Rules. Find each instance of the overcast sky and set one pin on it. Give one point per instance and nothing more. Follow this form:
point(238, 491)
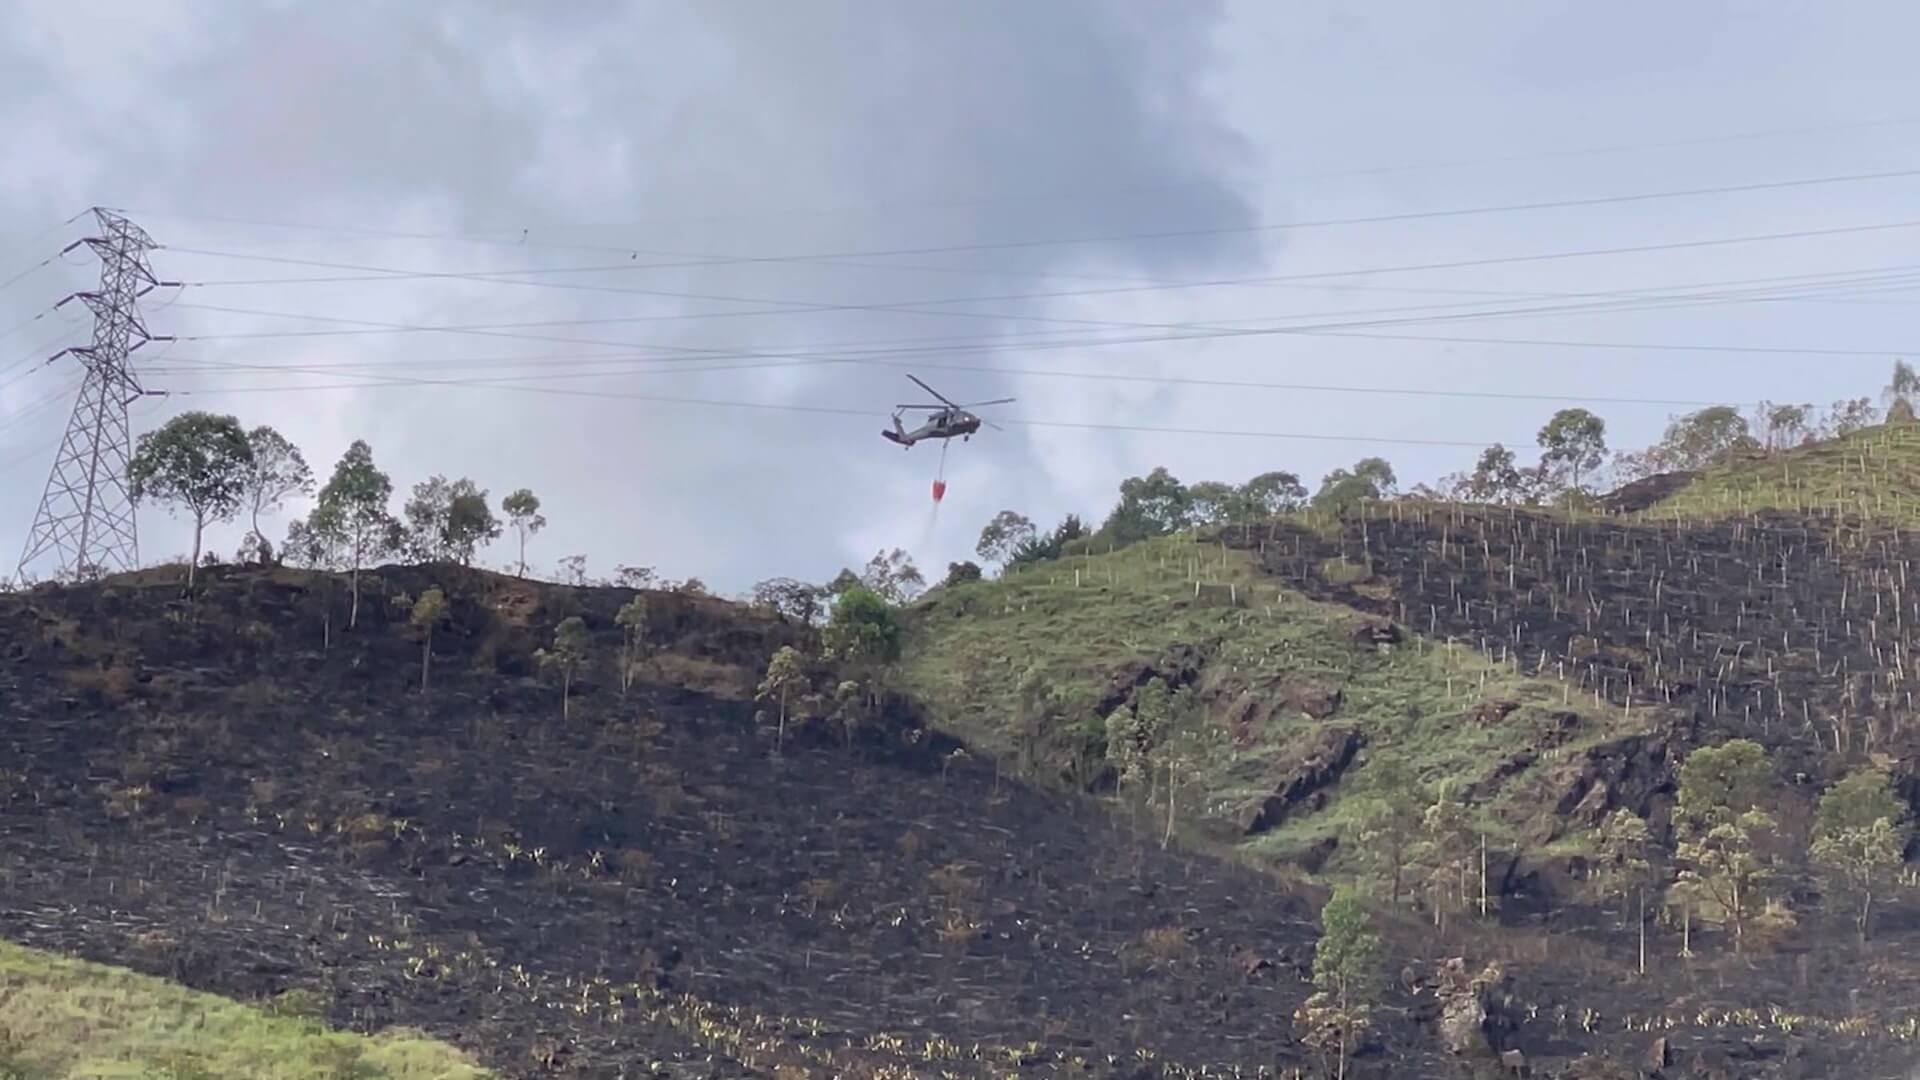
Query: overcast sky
point(688, 208)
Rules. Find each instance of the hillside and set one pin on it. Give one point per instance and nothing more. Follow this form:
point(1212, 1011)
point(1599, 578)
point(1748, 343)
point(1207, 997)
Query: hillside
point(1296, 701)
point(1874, 471)
point(1088, 830)
point(1588, 658)
point(232, 794)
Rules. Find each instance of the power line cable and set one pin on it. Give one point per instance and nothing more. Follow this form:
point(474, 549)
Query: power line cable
point(1329, 328)
point(998, 341)
point(691, 260)
point(911, 306)
point(868, 359)
point(522, 236)
point(1081, 192)
point(1459, 263)
point(1174, 380)
point(843, 411)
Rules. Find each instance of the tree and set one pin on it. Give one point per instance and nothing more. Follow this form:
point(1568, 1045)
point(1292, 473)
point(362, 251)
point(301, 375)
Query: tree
point(1848, 416)
point(1859, 835)
point(1032, 695)
point(1152, 505)
point(1389, 821)
point(1700, 439)
point(1623, 862)
point(1051, 545)
point(1003, 535)
point(446, 522)
point(846, 708)
point(1122, 727)
point(427, 613)
point(1272, 493)
point(1134, 732)
point(863, 633)
point(309, 548)
point(959, 573)
point(632, 620)
point(1718, 819)
point(1572, 444)
point(351, 514)
point(276, 472)
point(844, 580)
point(1346, 963)
point(316, 549)
point(1901, 392)
point(425, 517)
point(198, 460)
point(572, 644)
point(523, 511)
point(892, 576)
point(635, 577)
point(470, 522)
point(790, 599)
point(786, 675)
point(1369, 480)
point(1496, 478)
point(1211, 502)
point(1785, 425)
point(1447, 851)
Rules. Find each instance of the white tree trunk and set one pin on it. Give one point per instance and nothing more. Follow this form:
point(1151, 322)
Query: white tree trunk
point(193, 565)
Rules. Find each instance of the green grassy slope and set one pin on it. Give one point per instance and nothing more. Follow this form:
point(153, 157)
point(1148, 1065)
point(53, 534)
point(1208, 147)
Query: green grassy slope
point(64, 1019)
point(1874, 471)
point(1268, 654)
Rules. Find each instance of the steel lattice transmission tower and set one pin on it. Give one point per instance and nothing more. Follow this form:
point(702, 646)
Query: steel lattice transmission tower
point(86, 514)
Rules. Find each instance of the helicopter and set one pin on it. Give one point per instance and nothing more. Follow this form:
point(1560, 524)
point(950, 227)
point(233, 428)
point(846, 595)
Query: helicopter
point(948, 420)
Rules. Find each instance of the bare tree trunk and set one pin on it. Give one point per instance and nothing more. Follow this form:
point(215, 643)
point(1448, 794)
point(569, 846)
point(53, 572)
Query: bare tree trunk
point(193, 564)
point(1642, 891)
point(1168, 838)
point(1483, 875)
point(426, 660)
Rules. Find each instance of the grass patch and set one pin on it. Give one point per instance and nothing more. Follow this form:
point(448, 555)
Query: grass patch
point(64, 1019)
point(1872, 472)
point(1266, 650)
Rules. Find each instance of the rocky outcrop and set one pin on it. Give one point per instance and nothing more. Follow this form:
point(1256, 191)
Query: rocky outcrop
point(1635, 772)
point(1302, 777)
point(1469, 1022)
point(1376, 632)
point(1317, 700)
point(1180, 666)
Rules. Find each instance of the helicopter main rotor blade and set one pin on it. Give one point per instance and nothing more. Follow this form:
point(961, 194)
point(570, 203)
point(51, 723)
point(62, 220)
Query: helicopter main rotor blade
point(996, 401)
point(930, 389)
point(929, 408)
